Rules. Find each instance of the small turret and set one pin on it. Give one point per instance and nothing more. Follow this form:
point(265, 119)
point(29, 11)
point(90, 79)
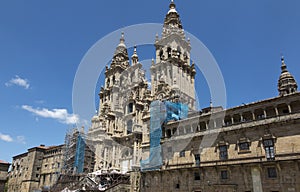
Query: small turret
point(286, 83)
point(134, 57)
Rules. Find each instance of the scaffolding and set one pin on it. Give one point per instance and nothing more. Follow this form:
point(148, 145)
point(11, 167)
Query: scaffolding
point(107, 180)
point(69, 152)
point(160, 113)
point(78, 155)
point(78, 160)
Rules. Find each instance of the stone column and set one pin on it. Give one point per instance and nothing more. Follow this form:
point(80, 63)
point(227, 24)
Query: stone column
point(289, 107)
point(253, 116)
point(105, 158)
point(134, 153)
point(113, 156)
point(256, 179)
point(276, 111)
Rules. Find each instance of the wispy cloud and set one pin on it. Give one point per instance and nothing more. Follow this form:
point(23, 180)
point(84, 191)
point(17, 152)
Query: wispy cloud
point(21, 139)
point(6, 138)
point(18, 81)
point(61, 115)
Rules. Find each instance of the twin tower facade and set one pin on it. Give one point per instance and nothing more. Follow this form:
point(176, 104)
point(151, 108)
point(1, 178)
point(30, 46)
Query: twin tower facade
point(120, 130)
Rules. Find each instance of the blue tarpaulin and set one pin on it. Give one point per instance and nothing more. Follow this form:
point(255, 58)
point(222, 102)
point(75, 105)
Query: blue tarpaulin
point(79, 156)
point(160, 113)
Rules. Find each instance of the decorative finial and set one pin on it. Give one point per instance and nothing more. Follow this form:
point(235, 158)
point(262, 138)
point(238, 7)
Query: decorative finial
point(122, 35)
point(152, 61)
point(211, 103)
point(122, 39)
point(135, 57)
point(283, 65)
point(172, 5)
point(134, 50)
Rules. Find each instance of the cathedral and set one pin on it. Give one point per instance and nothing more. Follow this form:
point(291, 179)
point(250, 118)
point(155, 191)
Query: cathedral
point(253, 147)
point(154, 138)
point(125, 98)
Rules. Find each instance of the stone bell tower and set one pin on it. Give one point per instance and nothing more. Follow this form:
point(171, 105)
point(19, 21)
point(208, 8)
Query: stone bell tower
point(173, 76)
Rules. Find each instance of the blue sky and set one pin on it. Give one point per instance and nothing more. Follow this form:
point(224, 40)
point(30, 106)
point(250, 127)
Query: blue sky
point(43, 42)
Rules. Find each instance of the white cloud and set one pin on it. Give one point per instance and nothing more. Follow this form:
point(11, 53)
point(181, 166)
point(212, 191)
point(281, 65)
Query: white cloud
point(21, 139)
point(19, 82)
point(61, 115)
point(6, 138)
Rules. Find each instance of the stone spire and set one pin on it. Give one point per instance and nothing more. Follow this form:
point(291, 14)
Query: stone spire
point(121, 45)
point(286, 83)
point(134, 57)
point(120, 57)
point(172, 23)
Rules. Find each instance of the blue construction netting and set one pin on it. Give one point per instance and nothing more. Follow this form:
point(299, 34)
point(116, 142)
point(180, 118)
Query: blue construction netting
point(79, 155)
point(176, 111)
point(160, 113)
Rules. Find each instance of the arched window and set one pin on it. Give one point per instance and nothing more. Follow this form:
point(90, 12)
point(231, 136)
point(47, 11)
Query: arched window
point(130, 108)
point(161, 54)
point(169, 52)
point(114, 79)
point(178, 51)
point(107, 83)
point(129, 127)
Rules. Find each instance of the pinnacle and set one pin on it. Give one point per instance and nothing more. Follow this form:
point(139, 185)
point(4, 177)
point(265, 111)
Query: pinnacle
point(122, 40)
point(283, 65)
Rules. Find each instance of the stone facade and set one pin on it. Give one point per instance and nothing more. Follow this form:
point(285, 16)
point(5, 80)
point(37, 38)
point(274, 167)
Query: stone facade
point(253, 152)
point(4, 166)
point(51, 167)
point(253, 147)
point(120, 129)
point(36, 169)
